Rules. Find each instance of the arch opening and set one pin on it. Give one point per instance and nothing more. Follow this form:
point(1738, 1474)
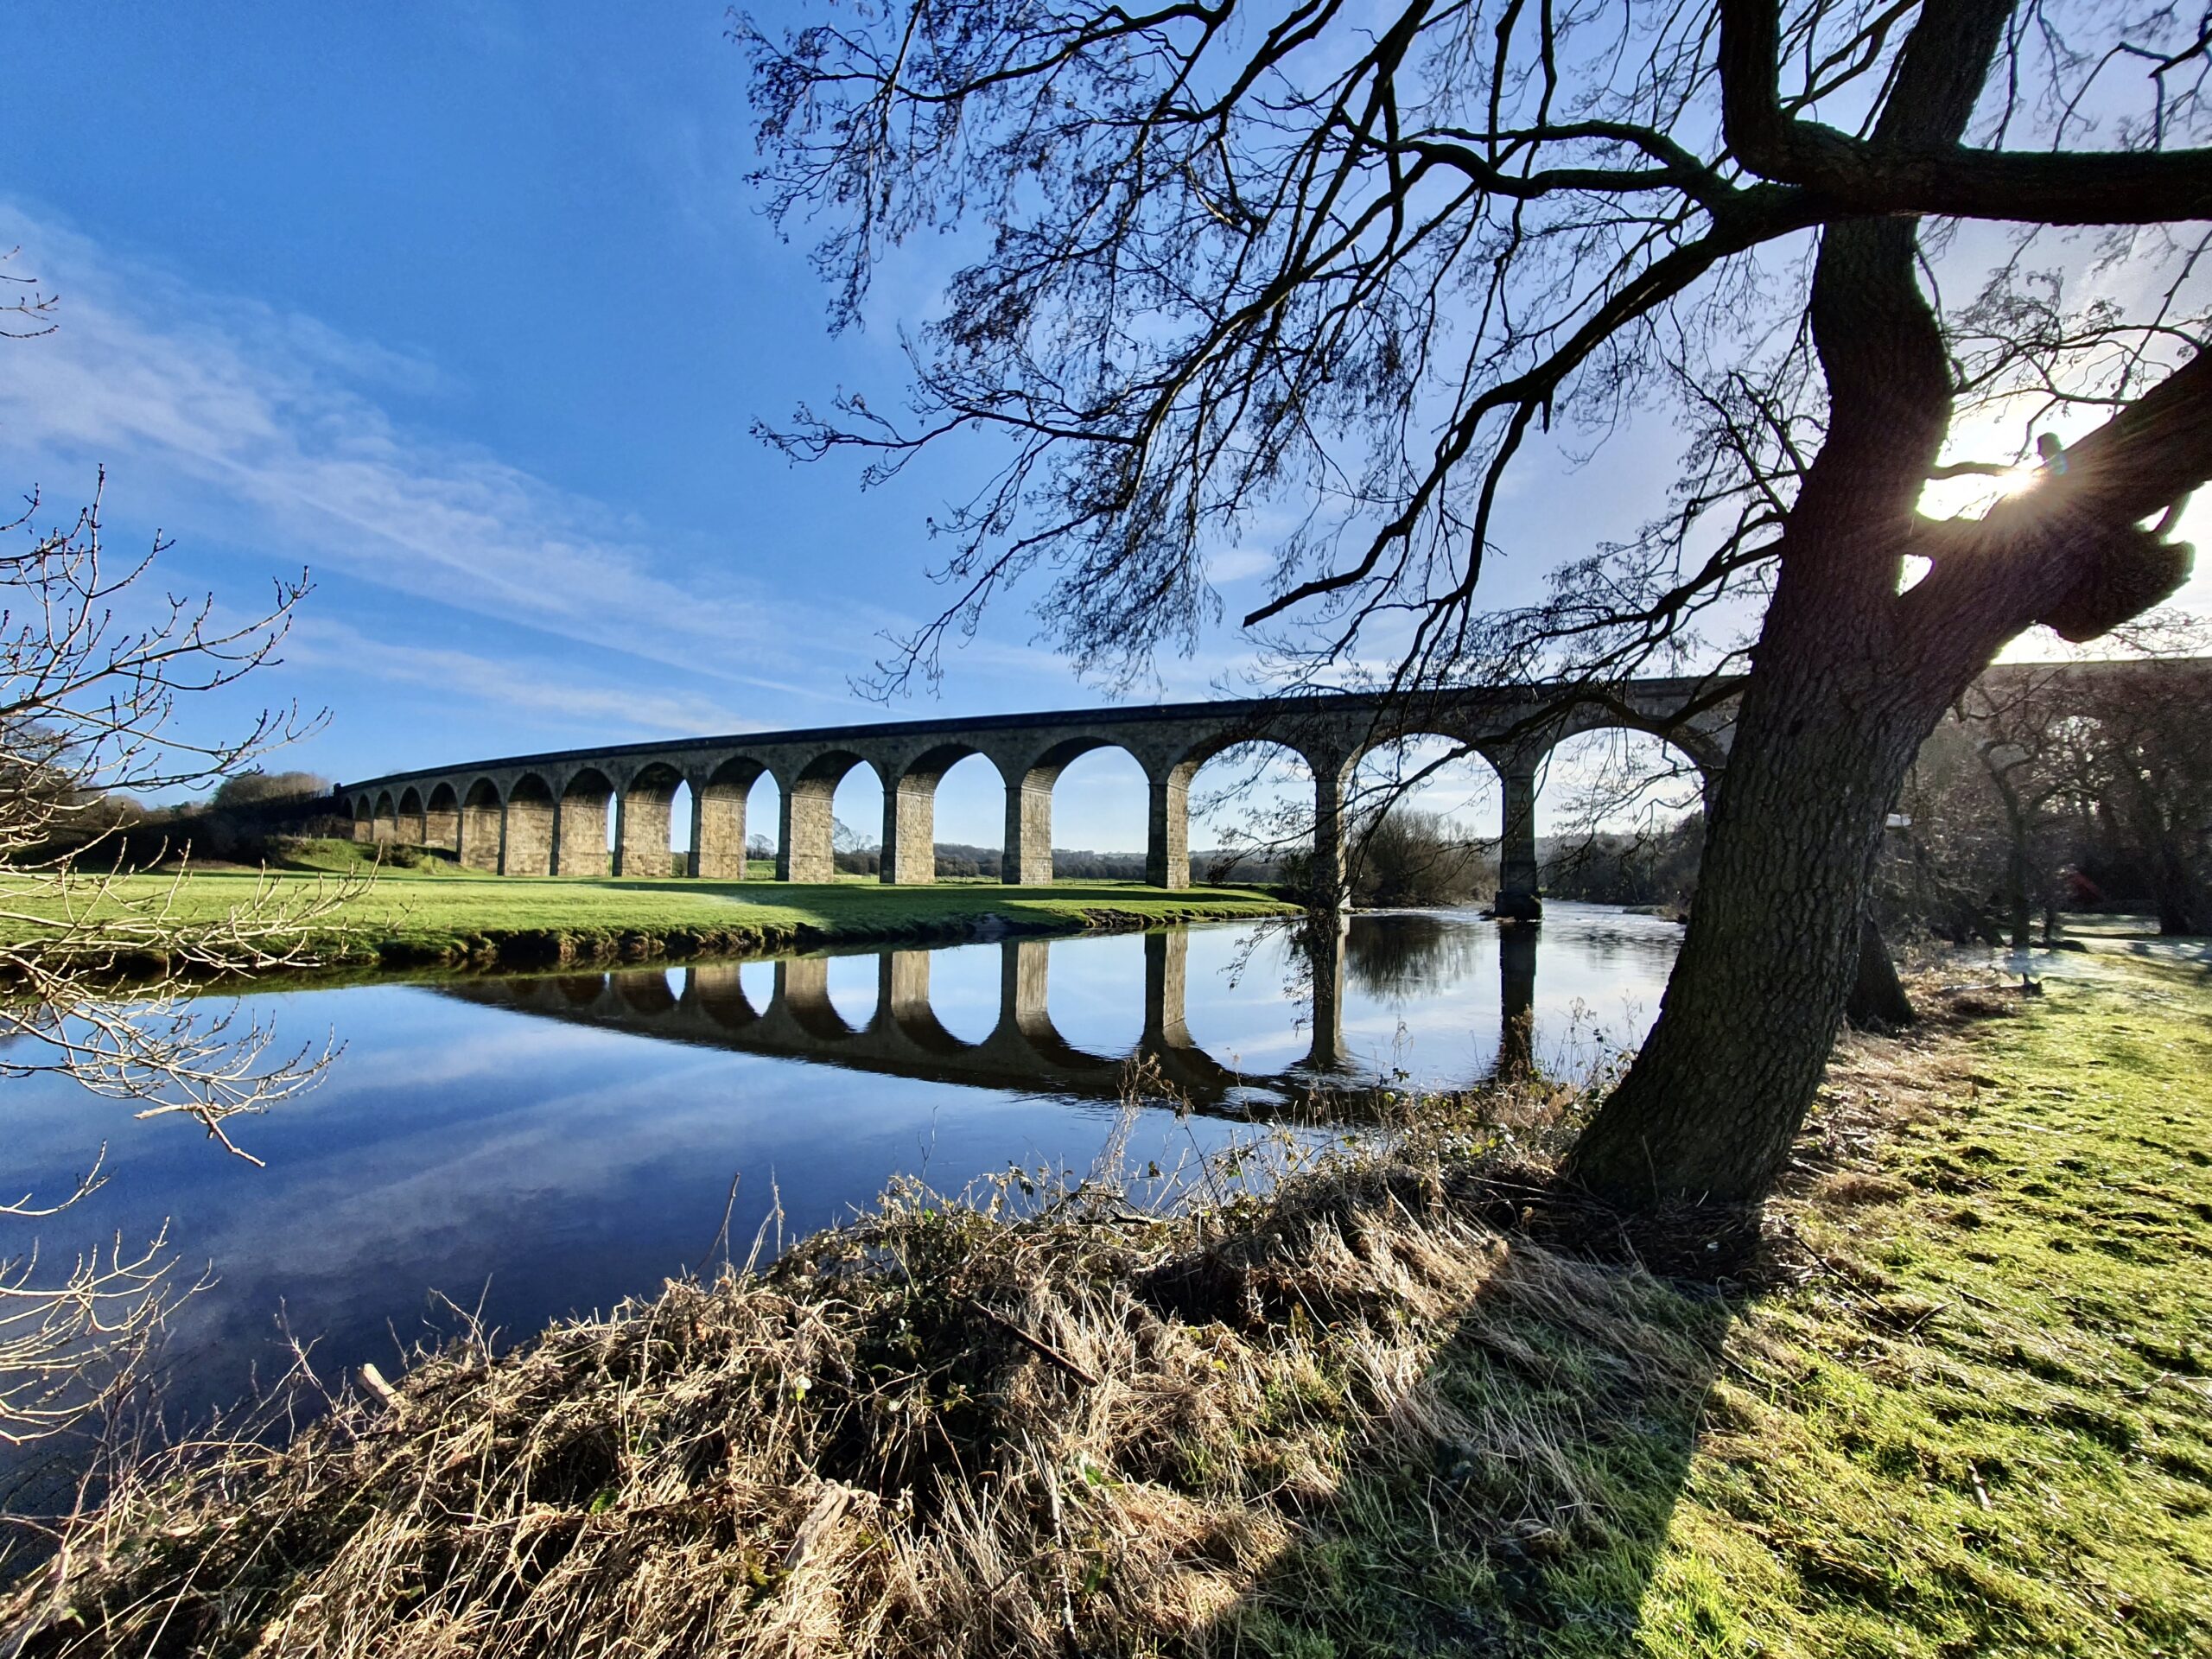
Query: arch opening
point(441, 819)
point(410, 827)
point(763, 822)
point(911, 853)
point(719, 815)
point(580, 828)
point(1619, 818)
point(526, 844)
point(385, 825)
point(480, 826)
point(811, 827)
point(642, 822)
point(1423, 823)
point(682, 823)
point(1250, 812)
point(1078, 813)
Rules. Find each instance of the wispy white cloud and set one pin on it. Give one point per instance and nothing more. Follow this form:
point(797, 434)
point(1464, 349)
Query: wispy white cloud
point(557, 694)
point(274, 421)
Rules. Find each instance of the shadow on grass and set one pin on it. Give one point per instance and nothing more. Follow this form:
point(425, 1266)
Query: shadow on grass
point(1518, 1499)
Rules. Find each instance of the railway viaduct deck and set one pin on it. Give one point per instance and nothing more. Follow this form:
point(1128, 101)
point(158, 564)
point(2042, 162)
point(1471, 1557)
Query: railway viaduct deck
point(547, 814)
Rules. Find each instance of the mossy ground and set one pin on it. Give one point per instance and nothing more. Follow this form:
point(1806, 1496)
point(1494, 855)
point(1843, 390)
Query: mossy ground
point(1981, 1423)
point(434, 912)
point(1963, 1405)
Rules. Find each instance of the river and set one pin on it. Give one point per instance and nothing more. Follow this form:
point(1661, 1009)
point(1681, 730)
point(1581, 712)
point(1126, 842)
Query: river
point(533, 1147)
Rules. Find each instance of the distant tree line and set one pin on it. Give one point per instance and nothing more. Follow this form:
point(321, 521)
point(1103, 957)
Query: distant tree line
point(1657, 867)
point(2054, 793)
point(2044, 792)
point(252, 817)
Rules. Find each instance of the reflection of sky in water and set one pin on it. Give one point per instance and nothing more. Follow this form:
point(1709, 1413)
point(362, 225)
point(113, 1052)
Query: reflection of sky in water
point(545, 1167)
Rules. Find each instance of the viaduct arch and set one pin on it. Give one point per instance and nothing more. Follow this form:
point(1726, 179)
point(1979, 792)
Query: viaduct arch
point(547, 814)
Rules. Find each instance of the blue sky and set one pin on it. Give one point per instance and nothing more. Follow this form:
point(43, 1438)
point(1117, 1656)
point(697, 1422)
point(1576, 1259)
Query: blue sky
point(469, 308)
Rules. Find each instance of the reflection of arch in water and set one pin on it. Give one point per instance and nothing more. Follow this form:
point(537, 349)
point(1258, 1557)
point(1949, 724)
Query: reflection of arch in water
point(902, 998)
point(1024, 1052)
point(716, 991)
point(1394, 955)
point(784, 1008)
point(646, 990)
point(854, 983)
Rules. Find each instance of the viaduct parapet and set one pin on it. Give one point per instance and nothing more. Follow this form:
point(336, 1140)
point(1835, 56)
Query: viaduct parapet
point(547, 814)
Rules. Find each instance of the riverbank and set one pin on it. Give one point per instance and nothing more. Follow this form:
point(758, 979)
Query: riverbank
point(446, 917)
point(1957, 1404)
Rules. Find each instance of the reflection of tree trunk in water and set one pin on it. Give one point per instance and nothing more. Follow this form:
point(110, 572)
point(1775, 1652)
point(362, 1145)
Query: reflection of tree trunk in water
point(1877, 996)
point(1516, 981)
point(1323, 941)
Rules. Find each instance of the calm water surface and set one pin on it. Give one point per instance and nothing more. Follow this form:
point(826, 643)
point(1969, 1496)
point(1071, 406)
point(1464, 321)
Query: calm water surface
point(537, 1146)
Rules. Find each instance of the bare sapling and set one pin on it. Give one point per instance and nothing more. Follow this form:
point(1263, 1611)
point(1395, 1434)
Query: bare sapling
point(99, 965)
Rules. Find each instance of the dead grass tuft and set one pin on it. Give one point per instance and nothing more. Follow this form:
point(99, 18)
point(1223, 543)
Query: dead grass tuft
point(936, 1431)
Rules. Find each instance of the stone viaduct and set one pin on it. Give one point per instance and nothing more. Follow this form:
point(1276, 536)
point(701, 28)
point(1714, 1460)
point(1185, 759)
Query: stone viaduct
point(547, 814)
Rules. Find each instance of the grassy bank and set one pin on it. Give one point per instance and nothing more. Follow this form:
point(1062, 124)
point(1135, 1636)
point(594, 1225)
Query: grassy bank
point(1959, 1402)
point(440, 914)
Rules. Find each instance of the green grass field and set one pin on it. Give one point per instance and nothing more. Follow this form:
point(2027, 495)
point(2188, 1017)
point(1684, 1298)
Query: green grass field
point(1981, 1423)
point(437, 911)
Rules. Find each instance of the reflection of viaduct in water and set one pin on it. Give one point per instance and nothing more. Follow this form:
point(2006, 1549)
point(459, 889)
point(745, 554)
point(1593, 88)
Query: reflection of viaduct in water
point(904, 1038)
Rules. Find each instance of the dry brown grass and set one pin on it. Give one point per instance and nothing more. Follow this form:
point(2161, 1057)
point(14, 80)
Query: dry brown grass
point(945, 1432)
point(934, 1432)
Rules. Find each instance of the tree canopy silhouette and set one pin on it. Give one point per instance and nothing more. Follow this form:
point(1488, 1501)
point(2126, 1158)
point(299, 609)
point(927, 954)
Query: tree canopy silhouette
point(1338, 265)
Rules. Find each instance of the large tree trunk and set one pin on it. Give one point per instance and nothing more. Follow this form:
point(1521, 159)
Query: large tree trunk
point(1709, 1109)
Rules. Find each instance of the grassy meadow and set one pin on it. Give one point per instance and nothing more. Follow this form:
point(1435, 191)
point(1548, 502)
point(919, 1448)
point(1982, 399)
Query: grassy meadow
point(433, 912)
